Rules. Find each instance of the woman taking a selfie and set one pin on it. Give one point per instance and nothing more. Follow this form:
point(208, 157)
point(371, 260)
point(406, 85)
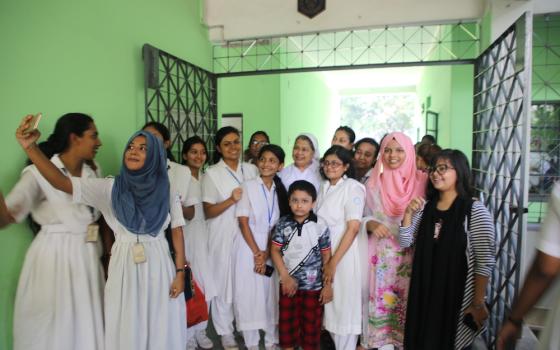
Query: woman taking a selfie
point(142, 308)
point(59, 299)
point(453, 237)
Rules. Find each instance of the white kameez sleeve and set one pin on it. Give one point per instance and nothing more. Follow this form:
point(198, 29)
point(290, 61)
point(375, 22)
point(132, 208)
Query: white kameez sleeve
point(24, 196)
point(354, 204)
point(194, 195)
point(176, 210)
point(93, 192)
point(210, 192)
point(243, 207)
point(250, 171)
point(180, 181)
point(407, 235)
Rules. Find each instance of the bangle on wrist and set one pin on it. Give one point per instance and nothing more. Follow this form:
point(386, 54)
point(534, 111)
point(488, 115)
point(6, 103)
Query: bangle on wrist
point(515, 321)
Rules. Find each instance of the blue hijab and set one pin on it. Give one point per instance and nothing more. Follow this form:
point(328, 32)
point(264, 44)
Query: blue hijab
point(140, 198)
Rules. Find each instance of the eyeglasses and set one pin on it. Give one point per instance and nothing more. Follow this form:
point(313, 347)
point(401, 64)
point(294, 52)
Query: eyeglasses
point(440, 168)
point(333, 164)
point(262, 143)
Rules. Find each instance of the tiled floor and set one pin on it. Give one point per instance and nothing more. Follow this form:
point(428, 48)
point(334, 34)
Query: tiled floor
point(527, 342)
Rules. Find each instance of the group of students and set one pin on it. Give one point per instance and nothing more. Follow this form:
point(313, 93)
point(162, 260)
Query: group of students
point(378, 251)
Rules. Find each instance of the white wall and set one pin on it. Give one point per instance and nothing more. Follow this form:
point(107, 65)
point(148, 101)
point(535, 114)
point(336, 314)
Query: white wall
point(505, 12)
point(247, 19)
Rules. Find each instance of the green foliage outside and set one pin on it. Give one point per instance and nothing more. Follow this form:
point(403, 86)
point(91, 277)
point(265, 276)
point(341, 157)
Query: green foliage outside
point(374, 115)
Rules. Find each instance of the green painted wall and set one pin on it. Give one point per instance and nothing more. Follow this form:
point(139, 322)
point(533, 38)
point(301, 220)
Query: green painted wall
point(435, 85)
point(283, 105)
point(258, 98)
point(59, 56)
point(451, 91)
point(308, 105)
point(461, 121)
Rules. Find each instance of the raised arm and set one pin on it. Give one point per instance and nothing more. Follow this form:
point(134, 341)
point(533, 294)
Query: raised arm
point(213, 210)
point(49, 171)
point(411, 222)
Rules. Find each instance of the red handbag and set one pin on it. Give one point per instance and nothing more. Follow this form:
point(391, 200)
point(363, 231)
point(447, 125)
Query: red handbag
point(197, 309)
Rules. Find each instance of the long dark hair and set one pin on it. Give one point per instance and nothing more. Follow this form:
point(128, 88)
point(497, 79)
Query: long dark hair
point(59, 140)
point(344, 155)
point(281, 192)
point(220, 134)
point(247, 154)
point(191, 141)
point(459, 161)
point(164, 131)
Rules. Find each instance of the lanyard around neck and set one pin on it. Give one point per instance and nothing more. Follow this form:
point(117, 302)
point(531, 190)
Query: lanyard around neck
point(270, 210)
point(235, 177)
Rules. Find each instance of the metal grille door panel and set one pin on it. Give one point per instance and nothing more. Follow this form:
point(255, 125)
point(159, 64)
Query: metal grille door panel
point(501, 128)
point(182, 96)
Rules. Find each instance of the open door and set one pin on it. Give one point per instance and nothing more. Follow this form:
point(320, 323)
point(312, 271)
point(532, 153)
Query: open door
point(501, 127)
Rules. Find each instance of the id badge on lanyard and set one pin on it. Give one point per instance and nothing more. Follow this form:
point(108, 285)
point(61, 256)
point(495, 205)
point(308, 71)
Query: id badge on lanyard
point(138, 253)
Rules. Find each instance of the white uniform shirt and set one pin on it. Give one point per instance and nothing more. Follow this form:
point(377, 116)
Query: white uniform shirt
point(291, 173)
point(336, 205)
point(217, 184)
point(550, 245)
point(179, 180)
point(219, 180)
point(259, 204)
point(194, 197)
point(98, 192)
point(47, 205)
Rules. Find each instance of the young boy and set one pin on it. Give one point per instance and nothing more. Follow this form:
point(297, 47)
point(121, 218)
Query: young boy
point(300, 248)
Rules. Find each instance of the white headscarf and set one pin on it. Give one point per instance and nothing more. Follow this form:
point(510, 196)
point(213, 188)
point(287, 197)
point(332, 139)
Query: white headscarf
point(317, 154)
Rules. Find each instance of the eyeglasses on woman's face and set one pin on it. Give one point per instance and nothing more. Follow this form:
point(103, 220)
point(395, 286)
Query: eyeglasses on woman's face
point(259, 143)
point(440, 169)
point(331, 164)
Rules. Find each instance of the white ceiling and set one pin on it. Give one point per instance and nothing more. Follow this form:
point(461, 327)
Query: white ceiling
point(229, 20)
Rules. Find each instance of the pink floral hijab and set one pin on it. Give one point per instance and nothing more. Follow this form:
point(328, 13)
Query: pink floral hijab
point(397, 187)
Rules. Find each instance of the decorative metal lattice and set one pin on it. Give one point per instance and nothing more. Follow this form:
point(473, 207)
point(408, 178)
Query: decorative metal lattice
point(355, 48)
point(500, 145)
point(545, 122)
point(182, 96)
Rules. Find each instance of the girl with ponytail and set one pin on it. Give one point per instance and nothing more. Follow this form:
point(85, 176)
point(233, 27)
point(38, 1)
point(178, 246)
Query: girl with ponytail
point(263, 202)
point(144, 306)
point(62, 269)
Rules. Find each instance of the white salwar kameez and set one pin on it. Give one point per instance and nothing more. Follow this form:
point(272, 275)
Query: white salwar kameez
point(217, 184)
point(59, 299)
point(195, 233)
point(255, 296)
point(336, 205)
point(139, 313)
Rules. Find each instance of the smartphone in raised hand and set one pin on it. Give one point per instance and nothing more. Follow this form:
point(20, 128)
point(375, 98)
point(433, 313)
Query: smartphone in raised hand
point(33, 123)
